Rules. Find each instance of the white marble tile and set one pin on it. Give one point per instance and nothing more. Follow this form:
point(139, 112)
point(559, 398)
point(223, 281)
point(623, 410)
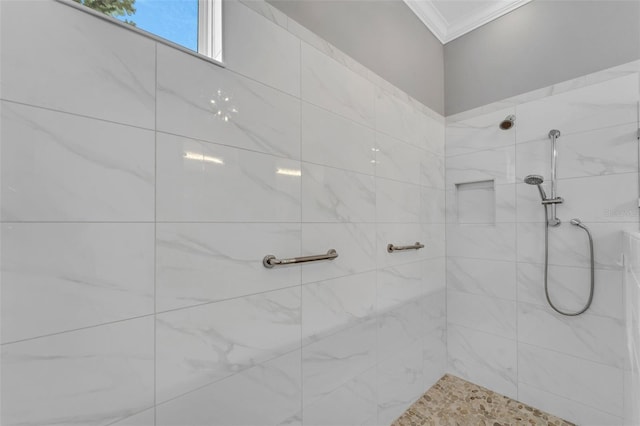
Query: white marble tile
point(327, 48)
point(353, 403)
point(332, 140)
point(400, 326)
point(398, 160)
point(396, 117)
point(632, 328)
point(195, 96)
point(400, 284)
point(334, 195)
point(436, 133)
point(497, 164)
point(61, 167)
point(330, 85)
point(591, 337)
point(434, 241)
point(145, 418)
point(260, 49)
point(491, 278)
point(479, 133)
point(534, 158)
point(434, 274)
point(308, 36)
point(432, 170)
point(505, 203)
point(593, 153)
point(333, 305)
point(482, 313)
point(329, 363)
point(434, 360)
point(257, 187)
point(568, 245)
point(355, 244)
point(432, 205)
point(267, 393)
point(100, 70)
point(600, 152)
point(484, 359)
point(205, 262)
point(88, 377)
point(565, 408)
point(266, 10)
point(611, 198)
point(372, 421)
point(400, 383)
point(493, 242)
point(434, 314)
point(597, 106)
point(200, 345)
point(631, 392)
point(63, 276)
point(592, 384)
point(569, 288)
point(397, 202)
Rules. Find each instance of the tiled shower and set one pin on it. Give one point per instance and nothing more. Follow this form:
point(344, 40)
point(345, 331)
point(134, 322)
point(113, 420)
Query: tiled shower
point(142, 186)
point(500, 330)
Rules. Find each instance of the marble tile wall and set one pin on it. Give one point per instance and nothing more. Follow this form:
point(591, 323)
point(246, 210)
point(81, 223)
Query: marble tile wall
point(140, 192)
point(632, 321)
point(501, 332)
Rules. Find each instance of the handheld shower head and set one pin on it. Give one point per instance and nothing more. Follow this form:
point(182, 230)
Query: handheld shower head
point(536, 180)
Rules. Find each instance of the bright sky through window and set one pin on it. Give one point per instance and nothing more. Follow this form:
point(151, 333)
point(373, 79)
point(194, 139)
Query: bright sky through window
point(193, 24)
point(175, 20)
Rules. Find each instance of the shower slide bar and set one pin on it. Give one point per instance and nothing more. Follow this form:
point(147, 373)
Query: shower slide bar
point(270, 260)
point(417, 246)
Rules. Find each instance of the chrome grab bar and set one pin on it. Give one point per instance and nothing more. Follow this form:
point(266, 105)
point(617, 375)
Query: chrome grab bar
point(417, 246)
point(270, 260)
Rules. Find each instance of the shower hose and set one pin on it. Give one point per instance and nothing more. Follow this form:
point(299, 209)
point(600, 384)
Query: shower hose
point(546, 267)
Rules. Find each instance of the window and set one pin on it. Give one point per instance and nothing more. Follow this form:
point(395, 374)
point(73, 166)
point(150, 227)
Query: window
point(193, 24)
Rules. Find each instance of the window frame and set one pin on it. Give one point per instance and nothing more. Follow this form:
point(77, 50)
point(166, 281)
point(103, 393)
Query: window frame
point(209, 29)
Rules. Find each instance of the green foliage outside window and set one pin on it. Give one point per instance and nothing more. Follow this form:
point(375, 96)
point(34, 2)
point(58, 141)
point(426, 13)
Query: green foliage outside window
point(114, 8)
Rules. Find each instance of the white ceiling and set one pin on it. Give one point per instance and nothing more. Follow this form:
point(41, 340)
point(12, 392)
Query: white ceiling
point(449, 19)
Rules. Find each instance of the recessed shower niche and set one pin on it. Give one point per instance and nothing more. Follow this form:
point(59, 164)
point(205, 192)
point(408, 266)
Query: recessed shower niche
point(476, 202)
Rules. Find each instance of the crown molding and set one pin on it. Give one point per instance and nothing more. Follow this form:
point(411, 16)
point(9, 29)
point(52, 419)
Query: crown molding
point(445, 31)
point(430, 16)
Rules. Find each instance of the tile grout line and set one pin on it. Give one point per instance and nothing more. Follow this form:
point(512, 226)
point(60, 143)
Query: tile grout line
point(73, 330)
point(517, 310)
point(539, 140)
point(537, 346)
point(155, 245)
point(301, 135)
point(375, 260)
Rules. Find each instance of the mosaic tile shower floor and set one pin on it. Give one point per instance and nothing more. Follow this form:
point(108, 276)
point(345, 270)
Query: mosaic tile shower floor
point(456, 402)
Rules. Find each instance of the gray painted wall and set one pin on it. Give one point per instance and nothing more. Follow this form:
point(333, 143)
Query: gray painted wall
point(383, 35)
point(539, 44)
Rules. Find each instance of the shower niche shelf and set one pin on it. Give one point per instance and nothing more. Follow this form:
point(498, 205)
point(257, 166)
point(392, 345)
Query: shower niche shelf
point(476, 202)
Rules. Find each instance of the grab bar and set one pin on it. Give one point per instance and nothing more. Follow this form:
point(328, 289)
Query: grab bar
point(270, 260)
point(417, 246)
